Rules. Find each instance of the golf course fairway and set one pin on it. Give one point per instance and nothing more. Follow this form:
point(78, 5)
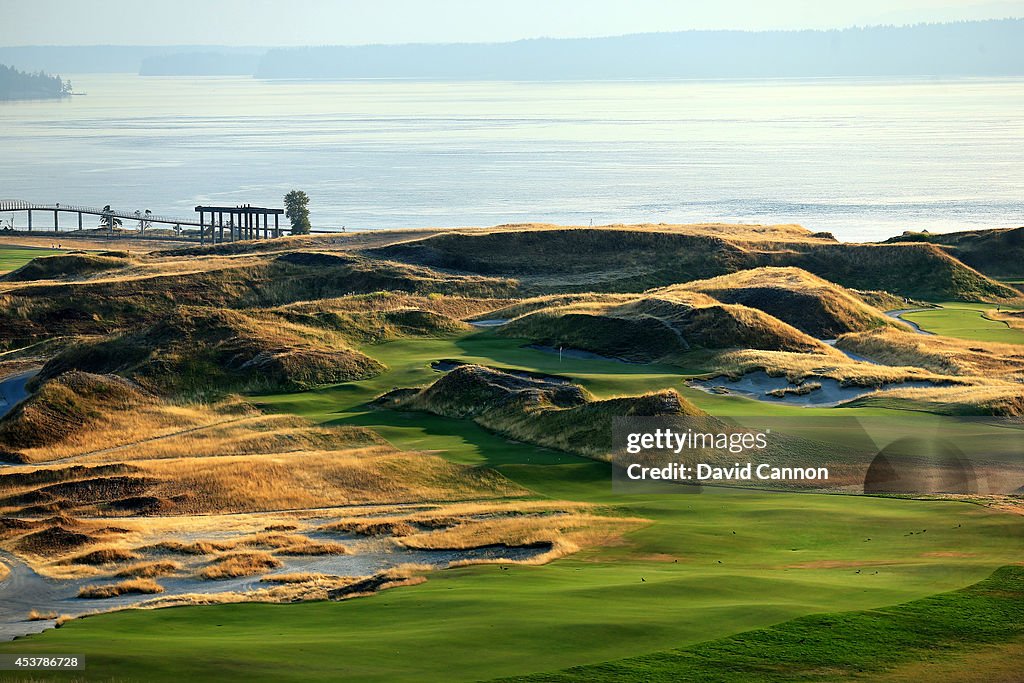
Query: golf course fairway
point(707, 566)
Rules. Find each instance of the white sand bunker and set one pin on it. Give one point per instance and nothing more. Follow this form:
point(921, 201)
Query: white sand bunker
point(812, 391)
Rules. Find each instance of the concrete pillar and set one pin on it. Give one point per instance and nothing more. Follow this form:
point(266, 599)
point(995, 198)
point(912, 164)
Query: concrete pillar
point(30, 220)
point(56, 222)
point(79, 220)
point(202, 228)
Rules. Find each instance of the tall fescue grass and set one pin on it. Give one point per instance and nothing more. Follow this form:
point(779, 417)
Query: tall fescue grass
point(943, 355)
point(804, 300)
point(138, 586)
point(36, 615)
point(799, 366)
point(149, 570)
point(320, 478)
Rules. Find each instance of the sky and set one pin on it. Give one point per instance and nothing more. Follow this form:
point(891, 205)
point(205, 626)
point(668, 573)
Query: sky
point(355, 22)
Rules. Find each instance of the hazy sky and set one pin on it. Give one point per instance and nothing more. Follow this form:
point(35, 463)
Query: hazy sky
point(318, 22)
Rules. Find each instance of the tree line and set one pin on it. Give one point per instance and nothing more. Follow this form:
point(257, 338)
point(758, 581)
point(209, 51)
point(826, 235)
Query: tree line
point(21, 85)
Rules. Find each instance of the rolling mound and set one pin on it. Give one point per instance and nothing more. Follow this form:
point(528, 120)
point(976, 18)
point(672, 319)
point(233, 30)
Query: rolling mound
point(622, 259)
point(577, 259)
point(804, 300)
point(944, 355)
point(369, 326)
point(65, 405)
point(545, 412)
point(658, 327)
point(920, 271)
point(33, 311)
point(66, 266)
point(205, 352)
point(999, 253)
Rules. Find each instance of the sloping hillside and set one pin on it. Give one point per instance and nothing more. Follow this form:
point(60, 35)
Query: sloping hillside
point(114, 300)
point(998, 253)
point(546, 412)
point(203, 352)
point(624, 259)
point(804, 300)
point(658, 327)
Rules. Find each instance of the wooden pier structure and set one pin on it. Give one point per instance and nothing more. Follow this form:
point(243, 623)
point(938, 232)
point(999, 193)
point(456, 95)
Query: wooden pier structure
point(214, 224)
point(243, 221)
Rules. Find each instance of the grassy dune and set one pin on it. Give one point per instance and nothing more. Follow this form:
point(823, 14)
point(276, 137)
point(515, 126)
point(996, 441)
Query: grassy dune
point(995, 252)
point(80, 414)
point(805, 301)
point(206, 353)
point(658, 327)
point(629, 580)
point(116, 301)
point(625, 259)
point(701, 581)
point(538, 411)
point(939, 354)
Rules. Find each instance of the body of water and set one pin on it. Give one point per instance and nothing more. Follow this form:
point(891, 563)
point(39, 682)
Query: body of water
point(863, 159)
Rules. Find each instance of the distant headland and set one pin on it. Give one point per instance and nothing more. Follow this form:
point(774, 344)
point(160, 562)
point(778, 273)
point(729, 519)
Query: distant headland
point(987, 48)
point(21, 85)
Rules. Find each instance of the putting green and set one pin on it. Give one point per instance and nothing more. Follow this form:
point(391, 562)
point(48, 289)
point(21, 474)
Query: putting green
point(708, 565)
point(966, 321)
point(12, 258)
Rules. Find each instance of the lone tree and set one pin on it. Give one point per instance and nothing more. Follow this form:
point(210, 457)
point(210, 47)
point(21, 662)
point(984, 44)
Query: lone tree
point(108, 221)
point(296, 207)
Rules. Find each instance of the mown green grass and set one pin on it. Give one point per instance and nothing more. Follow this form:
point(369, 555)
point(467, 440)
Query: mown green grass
point(14, 258)
point(937, 628)
point(708, 566)
point(966, 321)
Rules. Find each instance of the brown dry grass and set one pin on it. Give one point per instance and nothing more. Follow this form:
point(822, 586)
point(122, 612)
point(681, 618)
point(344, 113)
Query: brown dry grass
point(192, 548)
point(298, 577)
point(149, 570)
point(457, 307)
point(373, 527)
point(942, 355)
point(565, 526)
point(4, 571)
point(309, 548)
point(658, 326)
point(522, 307)
point(36, 615)
point(733, 231)
point(244, 436)
point(810, 303)
point(139, 586)
point(150, 419)
point(318, 479)
point(251, 483)
point(271, 539)
point(561, 535)
point(798, 366)
point(103, 556)
point(1003, 400)
point(318, 589)
point(239, 564)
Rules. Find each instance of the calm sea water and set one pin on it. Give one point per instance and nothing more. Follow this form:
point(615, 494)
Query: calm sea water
point(863, 159)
